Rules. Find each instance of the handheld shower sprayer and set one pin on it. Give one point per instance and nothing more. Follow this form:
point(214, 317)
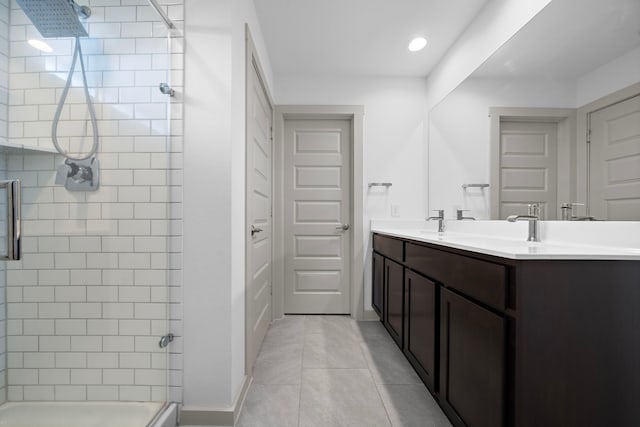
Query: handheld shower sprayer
point(60, 18)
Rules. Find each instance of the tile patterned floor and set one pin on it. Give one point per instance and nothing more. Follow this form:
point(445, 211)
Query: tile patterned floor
point(325, 371)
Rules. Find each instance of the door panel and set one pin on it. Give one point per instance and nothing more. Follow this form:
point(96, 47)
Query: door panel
point(420, 325)
point(394, 299)
point(317, 203)
point(377, 293)
point(472, 348)
point(528, 167)
point(259, 148)
point(614, 179)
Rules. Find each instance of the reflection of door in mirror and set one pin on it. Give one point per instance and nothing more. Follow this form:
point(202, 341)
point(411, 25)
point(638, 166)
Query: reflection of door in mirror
point(614, 161)
point(528, 159)
point(531, 160)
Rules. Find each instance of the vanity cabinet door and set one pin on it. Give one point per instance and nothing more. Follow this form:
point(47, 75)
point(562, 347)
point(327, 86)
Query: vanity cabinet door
point(420, 325)
point(394, 289)
point(472, 368)
point(377, 292)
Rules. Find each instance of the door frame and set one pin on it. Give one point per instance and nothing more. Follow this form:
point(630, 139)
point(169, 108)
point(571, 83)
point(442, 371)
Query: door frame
point(566, 167)
point(354, 114)
point(583, 125)
point(252, 60)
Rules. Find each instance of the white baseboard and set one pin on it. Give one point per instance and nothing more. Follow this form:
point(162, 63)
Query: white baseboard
point(215, 417)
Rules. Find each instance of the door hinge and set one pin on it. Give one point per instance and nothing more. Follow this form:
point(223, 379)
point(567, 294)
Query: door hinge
point(588, 136)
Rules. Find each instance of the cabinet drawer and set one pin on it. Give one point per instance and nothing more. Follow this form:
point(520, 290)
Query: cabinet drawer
point(389, 247)
point(481, 280)
point(432, 263)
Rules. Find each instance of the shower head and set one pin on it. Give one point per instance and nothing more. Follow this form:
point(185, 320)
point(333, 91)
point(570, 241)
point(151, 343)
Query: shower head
point(56, 18)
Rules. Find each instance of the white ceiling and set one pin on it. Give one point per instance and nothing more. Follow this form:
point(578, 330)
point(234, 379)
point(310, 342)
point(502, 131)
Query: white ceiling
point(568, 39)
point(361, 37)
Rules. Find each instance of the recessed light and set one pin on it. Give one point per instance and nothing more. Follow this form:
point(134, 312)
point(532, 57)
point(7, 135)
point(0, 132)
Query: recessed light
point(417, 44)
point(40, 45)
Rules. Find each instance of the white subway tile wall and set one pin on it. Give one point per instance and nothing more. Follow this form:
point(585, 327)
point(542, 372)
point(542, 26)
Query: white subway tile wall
point(101, 272)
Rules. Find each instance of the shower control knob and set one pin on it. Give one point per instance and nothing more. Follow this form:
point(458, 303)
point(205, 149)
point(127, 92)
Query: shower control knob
point(62, 173)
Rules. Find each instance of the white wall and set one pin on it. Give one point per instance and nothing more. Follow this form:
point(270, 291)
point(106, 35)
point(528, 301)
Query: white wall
point(615, 75)
point(214, 198)
point(207, 197)
point(498, 21)
point(395, 126)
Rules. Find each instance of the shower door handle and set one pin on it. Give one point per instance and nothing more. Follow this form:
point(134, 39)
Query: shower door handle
point(14, 220)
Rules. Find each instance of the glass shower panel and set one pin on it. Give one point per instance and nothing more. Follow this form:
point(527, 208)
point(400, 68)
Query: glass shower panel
point(87, 305)
point(4, 93)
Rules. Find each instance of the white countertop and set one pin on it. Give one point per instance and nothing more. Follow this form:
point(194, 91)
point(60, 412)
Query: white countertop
point(497, 238)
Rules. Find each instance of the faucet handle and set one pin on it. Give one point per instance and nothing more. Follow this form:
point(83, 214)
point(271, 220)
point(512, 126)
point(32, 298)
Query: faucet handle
point(440, 212)
point(570, 205)
point(533, 209)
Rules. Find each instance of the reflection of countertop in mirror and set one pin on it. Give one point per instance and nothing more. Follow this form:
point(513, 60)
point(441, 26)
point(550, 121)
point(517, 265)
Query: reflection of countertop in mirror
point(560, 240)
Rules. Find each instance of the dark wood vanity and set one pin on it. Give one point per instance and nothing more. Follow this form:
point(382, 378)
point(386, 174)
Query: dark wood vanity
point(505, 342)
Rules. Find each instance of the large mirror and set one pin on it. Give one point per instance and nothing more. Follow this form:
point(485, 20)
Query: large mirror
point(552, 117)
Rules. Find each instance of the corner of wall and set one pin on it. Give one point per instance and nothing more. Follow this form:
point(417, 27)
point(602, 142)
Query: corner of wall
point(496, 23)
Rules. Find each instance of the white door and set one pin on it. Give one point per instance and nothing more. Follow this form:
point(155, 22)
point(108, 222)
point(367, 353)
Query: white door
point(614, 167)
point(317, 182)
point(528, 167)
point(258, 215)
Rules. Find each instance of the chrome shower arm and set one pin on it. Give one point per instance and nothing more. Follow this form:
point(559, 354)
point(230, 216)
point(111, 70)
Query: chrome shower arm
point(154, 4)
point(83, 12)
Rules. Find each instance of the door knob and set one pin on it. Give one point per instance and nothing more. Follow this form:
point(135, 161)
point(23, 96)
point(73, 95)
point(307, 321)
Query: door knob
point(343, 227)
point(255, 230)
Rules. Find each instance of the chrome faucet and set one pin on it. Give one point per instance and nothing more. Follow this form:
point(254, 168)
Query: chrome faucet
point(533, 216)
point(440, 219)
point(460, 215)
point(567, 213)
point(567, 210)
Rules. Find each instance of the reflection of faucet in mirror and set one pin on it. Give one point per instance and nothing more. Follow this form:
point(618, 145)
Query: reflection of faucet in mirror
point(460, 214)
point(567, 213)
point(533, 216)
point(567, 210)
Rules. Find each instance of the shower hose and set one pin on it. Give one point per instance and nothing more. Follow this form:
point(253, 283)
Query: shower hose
point(77, 53)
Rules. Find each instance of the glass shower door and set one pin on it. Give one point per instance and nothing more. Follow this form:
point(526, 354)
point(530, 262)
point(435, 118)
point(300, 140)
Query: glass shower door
point(83, 312)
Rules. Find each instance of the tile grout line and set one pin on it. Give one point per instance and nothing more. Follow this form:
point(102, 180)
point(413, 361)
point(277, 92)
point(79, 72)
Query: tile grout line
point(304, 340)
point(375, 385)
